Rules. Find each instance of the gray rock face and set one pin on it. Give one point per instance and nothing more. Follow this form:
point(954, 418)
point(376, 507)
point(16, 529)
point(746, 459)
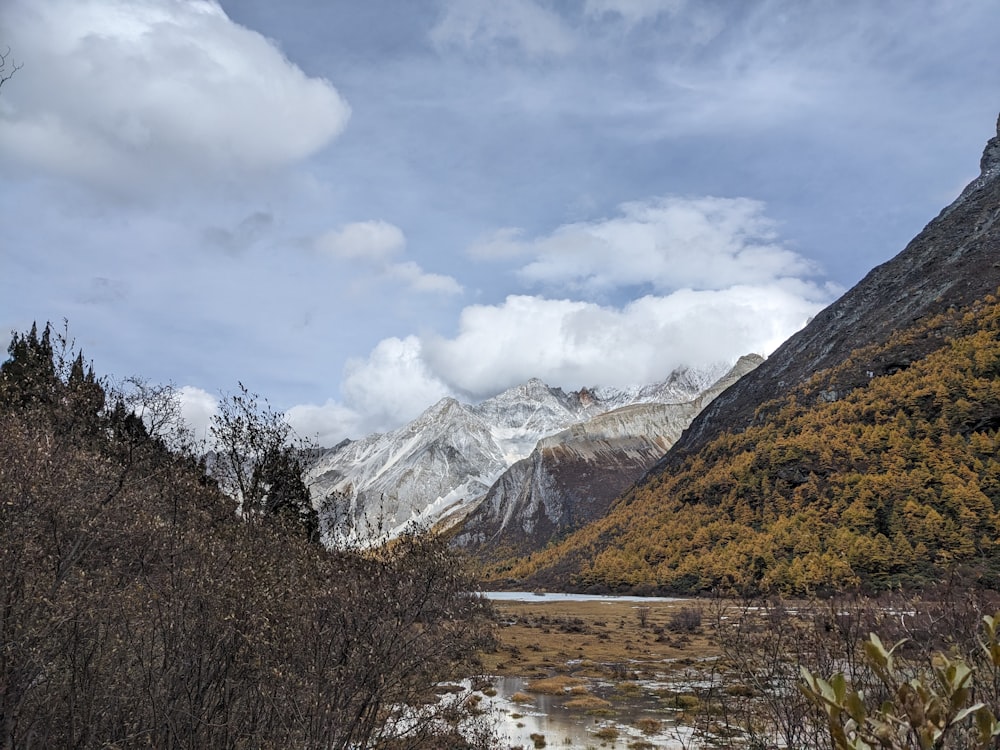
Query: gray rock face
point(572, 477)
point(954, 261)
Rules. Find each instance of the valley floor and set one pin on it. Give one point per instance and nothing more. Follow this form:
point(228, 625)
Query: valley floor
point(600, 673)
point(594, 638)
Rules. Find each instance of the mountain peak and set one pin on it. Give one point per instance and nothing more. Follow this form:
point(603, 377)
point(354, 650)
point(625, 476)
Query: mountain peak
point(446, 404)
point(989, 168)
point(989, 165)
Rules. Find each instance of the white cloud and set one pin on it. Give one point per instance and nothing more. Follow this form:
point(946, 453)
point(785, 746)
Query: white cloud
point(373, 244)
point(666, 243)
point(197, 409)
point(486, 25)
point(394, 384)
point(131, 92)
point(390, 387)
point(573, 344)
point(566, 343)
point(420, 281)
point(723, 285)
point(363, 240)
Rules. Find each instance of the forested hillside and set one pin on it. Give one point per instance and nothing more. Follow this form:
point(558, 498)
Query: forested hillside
point(138, 608)
point(951, 262)
point(880, 472)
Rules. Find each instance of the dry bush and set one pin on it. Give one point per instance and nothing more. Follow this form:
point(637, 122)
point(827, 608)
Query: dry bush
point(753, 696)
point(685, 620)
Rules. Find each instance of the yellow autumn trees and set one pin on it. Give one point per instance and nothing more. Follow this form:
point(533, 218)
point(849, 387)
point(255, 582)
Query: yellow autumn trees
point(893, 482)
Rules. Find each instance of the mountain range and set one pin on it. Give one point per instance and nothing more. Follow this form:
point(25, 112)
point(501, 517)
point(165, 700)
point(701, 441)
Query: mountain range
point(437, 470)
point(865, 451)
point(571, 477)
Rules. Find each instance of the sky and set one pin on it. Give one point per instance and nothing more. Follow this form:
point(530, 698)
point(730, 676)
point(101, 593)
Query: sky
point(356, 208)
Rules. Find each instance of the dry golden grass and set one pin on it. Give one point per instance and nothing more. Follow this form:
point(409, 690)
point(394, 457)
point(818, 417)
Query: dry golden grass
point(592, 639)
point(556, 685)
point(648, 725)
point(588, 703)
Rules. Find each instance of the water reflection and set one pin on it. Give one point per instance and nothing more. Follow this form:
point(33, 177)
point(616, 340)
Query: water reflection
point(546, 718)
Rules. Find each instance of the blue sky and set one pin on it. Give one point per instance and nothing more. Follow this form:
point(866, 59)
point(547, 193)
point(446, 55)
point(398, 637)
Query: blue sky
point(358, 207)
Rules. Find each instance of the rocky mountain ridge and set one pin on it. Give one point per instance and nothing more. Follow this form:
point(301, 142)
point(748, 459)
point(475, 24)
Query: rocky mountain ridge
point(952, 262)
point(571, 477)
point(433, 470)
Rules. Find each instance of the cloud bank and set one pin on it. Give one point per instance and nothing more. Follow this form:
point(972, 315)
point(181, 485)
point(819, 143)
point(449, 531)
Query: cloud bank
point(123, 93)
point(721, 284)
point(667, 243)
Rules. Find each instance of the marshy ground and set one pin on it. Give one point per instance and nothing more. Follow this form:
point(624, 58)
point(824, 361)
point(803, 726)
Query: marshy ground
point(599, 639)
point(630, 671)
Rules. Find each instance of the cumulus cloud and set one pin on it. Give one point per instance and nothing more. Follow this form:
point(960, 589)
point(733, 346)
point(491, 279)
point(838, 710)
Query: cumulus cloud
point(667, 243)
point(486, 25)
point(721, 285)
point(197, 409)
point(128, 92)
point(374, 244)
point(573, 344)
point(391, 386)
point(568, 343)
point(394, 383)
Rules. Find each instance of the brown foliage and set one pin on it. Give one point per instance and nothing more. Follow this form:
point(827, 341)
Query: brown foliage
point(138, 609)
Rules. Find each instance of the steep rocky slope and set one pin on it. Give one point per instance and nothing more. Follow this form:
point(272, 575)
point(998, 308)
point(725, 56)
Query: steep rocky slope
point(952, 262)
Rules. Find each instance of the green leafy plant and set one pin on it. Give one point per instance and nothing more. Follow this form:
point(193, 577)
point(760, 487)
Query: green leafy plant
point(926, 708)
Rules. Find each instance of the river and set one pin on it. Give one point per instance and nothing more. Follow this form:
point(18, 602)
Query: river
point(544, 596)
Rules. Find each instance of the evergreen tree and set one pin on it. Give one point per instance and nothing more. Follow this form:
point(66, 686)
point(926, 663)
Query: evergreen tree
point(28, 377)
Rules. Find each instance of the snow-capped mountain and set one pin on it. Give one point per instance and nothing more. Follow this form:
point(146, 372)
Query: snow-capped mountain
point(443, 463)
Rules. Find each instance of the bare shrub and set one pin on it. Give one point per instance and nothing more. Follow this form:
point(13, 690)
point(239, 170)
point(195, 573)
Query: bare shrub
point(685, 620)
point(642, 614)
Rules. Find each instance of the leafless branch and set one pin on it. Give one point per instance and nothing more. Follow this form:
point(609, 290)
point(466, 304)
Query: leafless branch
point(6, 73)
